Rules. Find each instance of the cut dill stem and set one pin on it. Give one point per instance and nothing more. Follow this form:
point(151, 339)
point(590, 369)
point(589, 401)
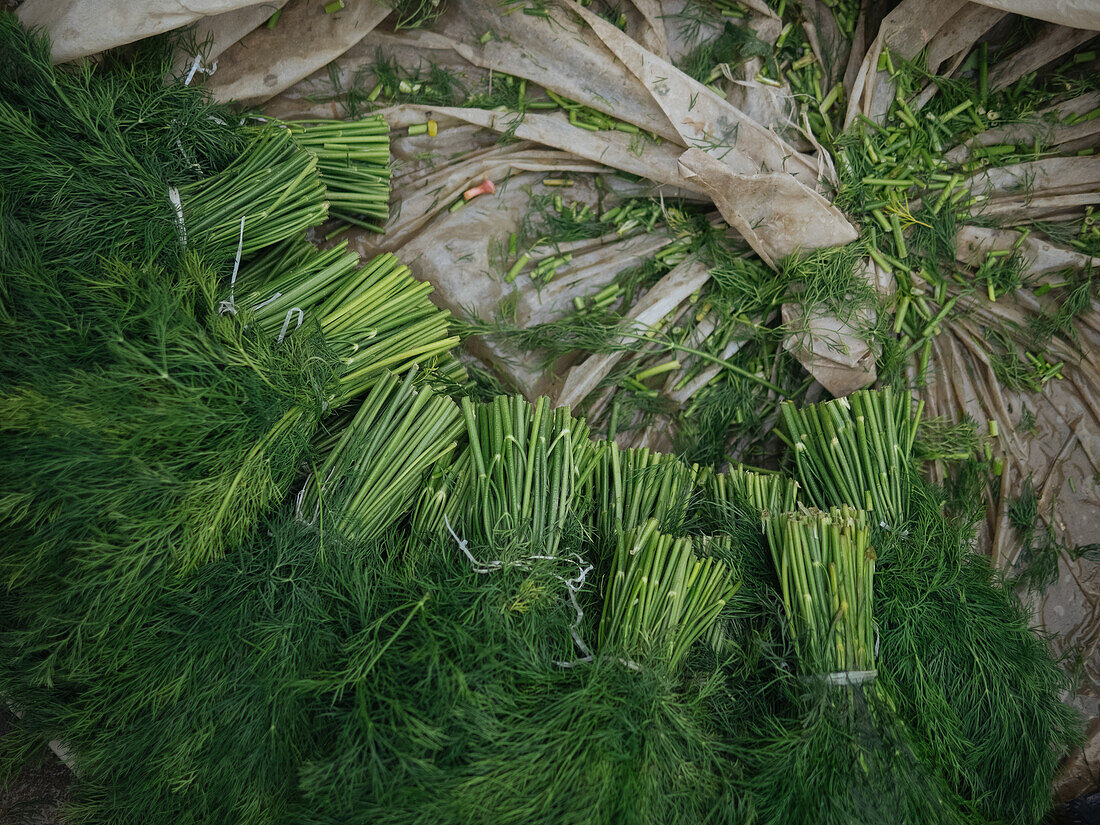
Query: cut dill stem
point(373, 474)
point(855, 450)
point(661, 597)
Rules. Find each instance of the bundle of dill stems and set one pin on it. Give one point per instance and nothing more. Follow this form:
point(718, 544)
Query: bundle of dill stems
point(260, 567)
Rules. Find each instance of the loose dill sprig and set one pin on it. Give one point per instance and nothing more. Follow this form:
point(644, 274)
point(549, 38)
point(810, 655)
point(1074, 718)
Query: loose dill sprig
point(430, 86)
point(941, 440)
point(1041, 550)
point(732, 47)
point(417, 14)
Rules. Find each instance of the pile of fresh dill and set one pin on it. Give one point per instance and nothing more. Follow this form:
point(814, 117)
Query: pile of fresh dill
point(259, 567)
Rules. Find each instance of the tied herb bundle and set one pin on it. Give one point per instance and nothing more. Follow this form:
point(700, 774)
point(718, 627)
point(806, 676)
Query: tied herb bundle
point(826, 570)
point(521, 475)
point(271, 192)
point(353, 159)
point(950, 629)
point(855, 450)
point(835, 750)
point(111, 161)
point(288, 282)
point(374, 472)
point(634, 486)
point(661, 597)
point(375, 318)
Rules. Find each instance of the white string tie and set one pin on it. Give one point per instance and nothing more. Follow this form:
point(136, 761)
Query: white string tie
point(286, 322)
point(270, 300)
point(573, 586)
point(177, 204)
point(198, 66)
point(850, 678)
point(230, 306)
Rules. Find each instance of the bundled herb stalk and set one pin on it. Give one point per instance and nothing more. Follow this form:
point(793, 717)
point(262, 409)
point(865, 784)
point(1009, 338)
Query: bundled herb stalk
point(526, 470)
point(372, 475)
point(353, 159)
point(289, 282)
point(949, 628)
point(109, 161)
point(634, 486)
point(856, 451)
point(826, 570)
point(661, 597)
point(836, 750)
point(270, 193)
point(770, 493)
point(374, 318)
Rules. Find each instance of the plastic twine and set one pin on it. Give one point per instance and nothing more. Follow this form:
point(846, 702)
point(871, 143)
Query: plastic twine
point(198, 66)
point(573, 586)
point(286, 322)
point(850, 678)
point(230, 306)
point(177, 204)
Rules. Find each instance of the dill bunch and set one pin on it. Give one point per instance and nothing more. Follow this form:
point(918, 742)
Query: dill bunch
point(971, 674)
point(375, 318)
point(949, 629)
point(149, 455)
point(661, 597)
point(371, 476)
point(111, 161)
point(837, 750)
point(353, 159)
point(826, 572)
point(837, 755)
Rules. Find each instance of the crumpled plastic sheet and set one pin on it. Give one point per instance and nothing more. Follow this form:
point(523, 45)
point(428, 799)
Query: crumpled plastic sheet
point(1082, 14)
point(214, 34)
point(762, 185)
point(79, 28)
point(268, 60)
